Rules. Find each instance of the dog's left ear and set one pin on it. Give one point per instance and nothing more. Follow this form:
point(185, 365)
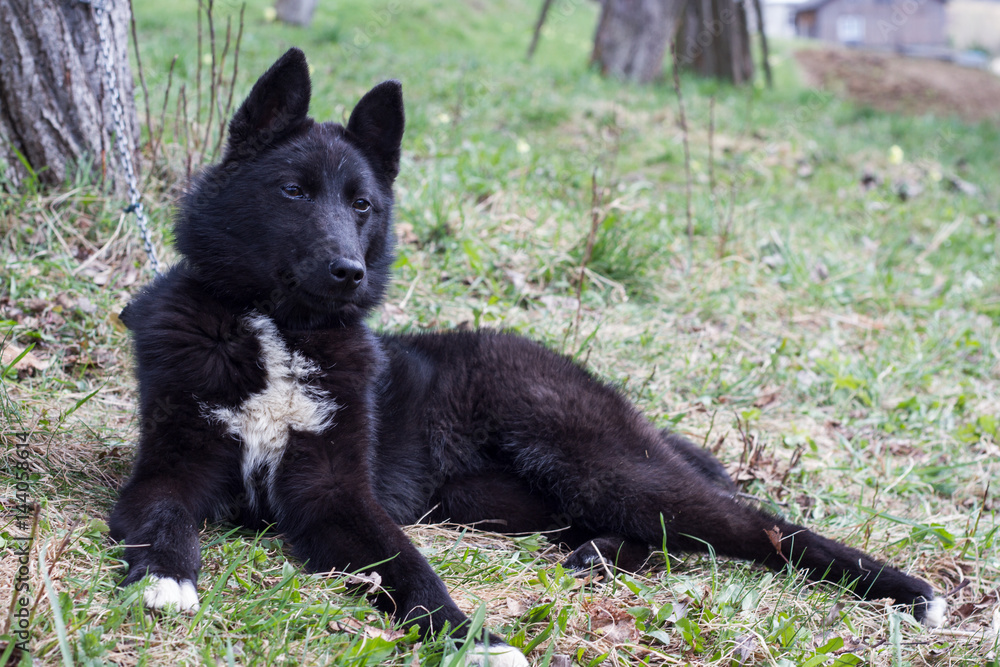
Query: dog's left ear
point(377, 123)
point(276, 108)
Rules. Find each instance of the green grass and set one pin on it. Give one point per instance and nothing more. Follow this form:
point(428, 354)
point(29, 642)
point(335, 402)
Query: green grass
point(805, 315)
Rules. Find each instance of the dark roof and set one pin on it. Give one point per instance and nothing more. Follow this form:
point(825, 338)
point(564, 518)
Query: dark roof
point(810, 6)
point(816, 4)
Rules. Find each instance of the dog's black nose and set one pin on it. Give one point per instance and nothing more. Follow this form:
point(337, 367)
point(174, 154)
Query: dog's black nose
point(347, 273)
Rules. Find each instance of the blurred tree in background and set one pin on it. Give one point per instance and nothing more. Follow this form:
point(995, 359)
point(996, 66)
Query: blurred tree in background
point(295, 12)
point(711, 38)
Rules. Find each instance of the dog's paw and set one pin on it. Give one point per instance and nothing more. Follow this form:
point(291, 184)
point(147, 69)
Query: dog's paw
point(934, 612)
point(583, 559)
point(607, 555)
point(497, 655)
point(163, 592)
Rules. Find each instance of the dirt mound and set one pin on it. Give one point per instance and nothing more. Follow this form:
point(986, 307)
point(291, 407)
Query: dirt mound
point(905, 85)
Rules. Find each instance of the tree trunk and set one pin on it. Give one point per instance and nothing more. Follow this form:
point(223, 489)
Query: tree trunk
point(55, 109)
point(765, 57)
point(296, 12)
point(714, 40)
point(632, 37)
point(546, 5)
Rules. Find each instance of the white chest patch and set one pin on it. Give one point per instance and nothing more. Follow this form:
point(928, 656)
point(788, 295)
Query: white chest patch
point(263, 421)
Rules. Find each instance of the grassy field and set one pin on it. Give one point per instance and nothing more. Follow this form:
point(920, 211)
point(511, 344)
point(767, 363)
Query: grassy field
point(826, 321)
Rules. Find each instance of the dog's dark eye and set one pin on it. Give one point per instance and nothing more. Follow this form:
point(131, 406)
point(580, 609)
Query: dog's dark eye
point(293, 191)
point(362, 205)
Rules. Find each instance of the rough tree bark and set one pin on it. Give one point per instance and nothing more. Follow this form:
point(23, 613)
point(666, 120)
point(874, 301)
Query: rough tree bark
point(54, 107)
point(714, 40)
point(633, 36)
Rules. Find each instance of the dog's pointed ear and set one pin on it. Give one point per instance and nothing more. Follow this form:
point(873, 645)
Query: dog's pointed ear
point(277, 106)
point(376, 124)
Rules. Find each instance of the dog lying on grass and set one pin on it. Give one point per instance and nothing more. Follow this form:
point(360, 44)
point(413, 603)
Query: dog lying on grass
point(265, 397)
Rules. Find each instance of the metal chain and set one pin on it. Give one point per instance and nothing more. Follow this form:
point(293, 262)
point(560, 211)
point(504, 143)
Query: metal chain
point(121, 137)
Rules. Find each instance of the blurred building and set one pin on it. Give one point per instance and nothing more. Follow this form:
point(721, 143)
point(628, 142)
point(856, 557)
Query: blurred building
point(779, 17)
point(975, 24)
point(905, 26)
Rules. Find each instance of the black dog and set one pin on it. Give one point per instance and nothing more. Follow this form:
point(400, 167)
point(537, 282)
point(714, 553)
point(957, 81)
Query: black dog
point(265, 398)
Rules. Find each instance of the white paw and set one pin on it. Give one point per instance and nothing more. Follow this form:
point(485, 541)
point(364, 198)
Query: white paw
point(165, 592)
point(936, 610)
point(495, 656)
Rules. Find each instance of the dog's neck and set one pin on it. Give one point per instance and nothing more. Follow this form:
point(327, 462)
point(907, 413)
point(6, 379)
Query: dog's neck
point(283, 310)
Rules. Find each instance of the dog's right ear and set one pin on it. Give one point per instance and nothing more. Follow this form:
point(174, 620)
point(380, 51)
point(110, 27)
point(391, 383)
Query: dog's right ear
point(276, 107)
point(377, 125)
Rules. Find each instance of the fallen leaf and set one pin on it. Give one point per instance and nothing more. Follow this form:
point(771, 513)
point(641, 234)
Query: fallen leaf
point(833, 616)
point(373, 581)
point(355, 627)
point(620, 633)
point(766, 398)
point(965, 611)
point(774, 535)
point(26, 365)
point(745, 647)
point(382, 633)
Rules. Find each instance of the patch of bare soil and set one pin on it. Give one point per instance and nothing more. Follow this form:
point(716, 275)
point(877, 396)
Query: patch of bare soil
point(905, 85)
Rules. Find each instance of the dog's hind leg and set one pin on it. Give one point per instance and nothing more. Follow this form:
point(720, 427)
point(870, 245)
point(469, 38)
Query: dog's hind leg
point(651, 493)
point(629, 555)
point(493, 500)
point(700, 459)
point(501, 502)
point(617, 552)
point(733, 528)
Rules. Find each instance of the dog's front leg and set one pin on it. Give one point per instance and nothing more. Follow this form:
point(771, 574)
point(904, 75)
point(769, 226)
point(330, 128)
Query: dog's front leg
point(160, 534)
point(327, 508)
point(171, 492)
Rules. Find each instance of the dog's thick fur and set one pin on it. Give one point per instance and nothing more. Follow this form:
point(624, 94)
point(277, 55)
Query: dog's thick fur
point(265, 398)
